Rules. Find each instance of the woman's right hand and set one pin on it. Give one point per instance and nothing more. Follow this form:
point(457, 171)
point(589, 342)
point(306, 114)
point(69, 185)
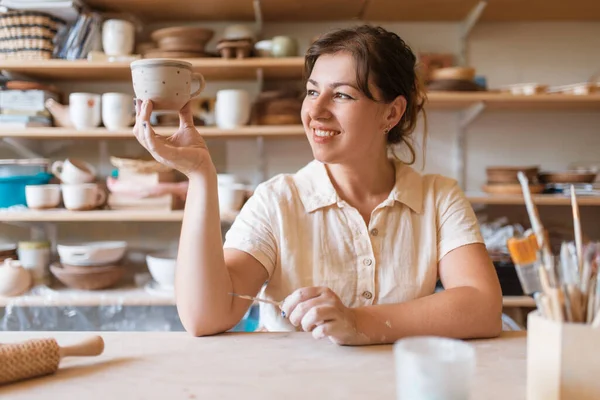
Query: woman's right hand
point(185, 151)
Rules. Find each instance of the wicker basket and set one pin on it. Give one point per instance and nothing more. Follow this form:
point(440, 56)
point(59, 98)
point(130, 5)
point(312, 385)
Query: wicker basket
point(27, 35)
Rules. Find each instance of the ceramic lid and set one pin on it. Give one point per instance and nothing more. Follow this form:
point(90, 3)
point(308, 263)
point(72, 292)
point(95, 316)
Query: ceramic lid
point(160, 62)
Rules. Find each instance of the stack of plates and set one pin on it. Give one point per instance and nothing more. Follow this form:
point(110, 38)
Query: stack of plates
point(180, 42)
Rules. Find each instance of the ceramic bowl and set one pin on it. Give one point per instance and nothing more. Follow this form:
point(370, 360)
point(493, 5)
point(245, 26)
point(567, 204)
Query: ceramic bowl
point(92, 253)
point(93, 278)
point(168, 83)
point(162, 268)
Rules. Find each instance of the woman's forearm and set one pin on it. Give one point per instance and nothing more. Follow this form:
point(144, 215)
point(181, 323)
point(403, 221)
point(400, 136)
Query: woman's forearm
point(202, 280)
point(462, 312)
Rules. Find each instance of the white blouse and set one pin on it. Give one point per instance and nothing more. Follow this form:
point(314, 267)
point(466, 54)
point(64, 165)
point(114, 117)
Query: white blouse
point(304, 235)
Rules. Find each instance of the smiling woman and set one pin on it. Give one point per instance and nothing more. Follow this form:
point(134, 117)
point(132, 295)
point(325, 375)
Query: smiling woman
point(351, 246)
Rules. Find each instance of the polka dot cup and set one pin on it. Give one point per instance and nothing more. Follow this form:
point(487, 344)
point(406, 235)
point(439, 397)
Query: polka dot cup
point(168, 83)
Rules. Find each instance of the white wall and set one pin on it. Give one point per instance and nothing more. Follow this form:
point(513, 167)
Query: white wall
point(554, 53)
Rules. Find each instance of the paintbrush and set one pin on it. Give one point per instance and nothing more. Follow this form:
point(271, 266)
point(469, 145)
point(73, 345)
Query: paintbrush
point(536, 225)
point(523, 252)
point(252, 298)
point(577, 229)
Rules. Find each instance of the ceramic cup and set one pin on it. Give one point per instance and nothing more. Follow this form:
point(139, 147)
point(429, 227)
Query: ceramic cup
point(42, 196)
point(117, 111)
point(170, 84)
point(82, 196)
point(284, 46)
point(232, 108)
point(73, 171)
point(264, 48)
point(118, 37)
point(85, 110)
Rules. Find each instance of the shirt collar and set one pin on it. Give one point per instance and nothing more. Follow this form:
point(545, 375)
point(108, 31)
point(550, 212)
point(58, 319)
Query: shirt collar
point(316, 190)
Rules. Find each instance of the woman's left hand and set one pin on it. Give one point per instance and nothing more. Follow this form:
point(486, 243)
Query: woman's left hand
point(320, 311)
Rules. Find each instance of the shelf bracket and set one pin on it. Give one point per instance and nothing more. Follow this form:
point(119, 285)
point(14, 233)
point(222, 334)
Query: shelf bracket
point(258, 17)
point(467, 117)
point(465, 30)
point(260, 79)
point(261, 173)
point(20, 148)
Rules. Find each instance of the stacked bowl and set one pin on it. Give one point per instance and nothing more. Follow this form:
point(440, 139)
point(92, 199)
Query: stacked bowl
point(90, 265)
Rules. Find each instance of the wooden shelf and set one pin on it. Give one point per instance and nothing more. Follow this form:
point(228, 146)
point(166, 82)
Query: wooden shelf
point(518, 301)
point(211, 68)
point(63, 297)
point(136, 296)
point(504, 101)
point(540, 200)
point(344, 10)
point(62, 215)
point(101, 133)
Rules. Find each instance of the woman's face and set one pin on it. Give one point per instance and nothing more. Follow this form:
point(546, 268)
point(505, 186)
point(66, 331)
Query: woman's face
point(342, 124)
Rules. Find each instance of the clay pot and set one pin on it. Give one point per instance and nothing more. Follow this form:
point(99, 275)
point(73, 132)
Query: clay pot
point(14, 279)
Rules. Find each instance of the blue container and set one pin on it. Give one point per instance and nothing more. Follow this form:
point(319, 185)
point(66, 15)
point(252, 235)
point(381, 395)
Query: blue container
point(12, 188)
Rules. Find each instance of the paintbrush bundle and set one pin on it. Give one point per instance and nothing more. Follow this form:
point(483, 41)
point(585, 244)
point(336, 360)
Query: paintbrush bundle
point(567, 287)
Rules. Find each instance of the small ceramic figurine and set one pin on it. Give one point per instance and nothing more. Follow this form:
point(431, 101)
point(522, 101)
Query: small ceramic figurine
point(14, 279)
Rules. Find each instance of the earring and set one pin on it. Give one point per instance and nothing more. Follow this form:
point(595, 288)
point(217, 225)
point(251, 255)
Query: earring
point(386, 130)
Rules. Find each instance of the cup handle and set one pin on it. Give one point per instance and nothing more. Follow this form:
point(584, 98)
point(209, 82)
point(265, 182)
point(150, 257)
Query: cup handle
point(100, 197)
point(201, 84)
point(56, 168)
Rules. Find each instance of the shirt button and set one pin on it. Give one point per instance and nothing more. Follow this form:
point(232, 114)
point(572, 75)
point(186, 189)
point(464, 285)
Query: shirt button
point(367, 262)
point(367, 295)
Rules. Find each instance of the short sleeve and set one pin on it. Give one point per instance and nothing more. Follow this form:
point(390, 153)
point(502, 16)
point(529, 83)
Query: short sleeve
point(457, 223)
point(252, 231)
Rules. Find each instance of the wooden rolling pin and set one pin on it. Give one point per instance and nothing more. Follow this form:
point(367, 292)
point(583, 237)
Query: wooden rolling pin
point(37, 357)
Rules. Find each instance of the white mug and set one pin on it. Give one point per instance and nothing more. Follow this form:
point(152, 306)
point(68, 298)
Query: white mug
point(73, 171)
point(42, 196)
point(118, 37)
point(232, 108)
point(117, 111)
point(85, 110)
point(82, 196)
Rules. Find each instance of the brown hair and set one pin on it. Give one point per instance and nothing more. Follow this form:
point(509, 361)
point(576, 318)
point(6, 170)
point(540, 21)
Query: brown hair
point(390, 61)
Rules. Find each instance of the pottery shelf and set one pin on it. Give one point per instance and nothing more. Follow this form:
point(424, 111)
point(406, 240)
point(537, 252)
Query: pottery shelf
point(62, 215)
point(66, 297)
point(213, 69)
point(101, 133)
point(540, 200)
point(139, 296)
point(344, 10)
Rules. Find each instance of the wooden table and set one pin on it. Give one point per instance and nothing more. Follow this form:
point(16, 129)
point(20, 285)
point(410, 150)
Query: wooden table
point(240, 366)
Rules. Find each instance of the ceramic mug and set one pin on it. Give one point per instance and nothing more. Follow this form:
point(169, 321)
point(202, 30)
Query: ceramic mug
point(168, 83)
point(118, 37)
point(42, 196)
point(284, 46)
point(232, 108)
point(73, 171)
point(117, 111)
point(82, 196)
point(85, 110)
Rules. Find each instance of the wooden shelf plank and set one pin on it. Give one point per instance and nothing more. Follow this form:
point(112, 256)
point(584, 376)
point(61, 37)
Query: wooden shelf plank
point(344, 10)
point(518, 301)
point(509, 102)
point(211, 68)
point(63, 215)
point(101, 133)
point(505, 10)
point(540, 200)
point(234, 10)
point(135, 296)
